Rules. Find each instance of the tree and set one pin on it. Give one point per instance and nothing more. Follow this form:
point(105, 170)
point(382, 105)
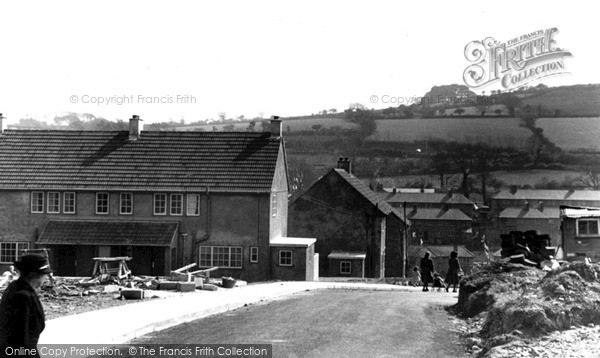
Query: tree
point(357, 106)
point(301, 175)
point(442, 165)
point(221, 116)
point(316, 127)
point(459, 111)
point(333, 111)
point(251, 126)
point(463, 158)
point(591, 169)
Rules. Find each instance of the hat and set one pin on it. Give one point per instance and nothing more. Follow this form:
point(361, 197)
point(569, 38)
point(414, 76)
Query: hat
point(33, 263)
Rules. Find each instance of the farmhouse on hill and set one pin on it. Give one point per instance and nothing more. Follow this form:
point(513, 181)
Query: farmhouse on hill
point(164, 198)
point(346, 216)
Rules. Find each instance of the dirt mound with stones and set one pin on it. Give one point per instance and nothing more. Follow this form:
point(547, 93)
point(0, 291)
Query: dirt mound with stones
point(515, 300)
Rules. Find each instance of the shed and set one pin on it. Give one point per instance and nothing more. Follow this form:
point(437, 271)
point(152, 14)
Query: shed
point(347, 264)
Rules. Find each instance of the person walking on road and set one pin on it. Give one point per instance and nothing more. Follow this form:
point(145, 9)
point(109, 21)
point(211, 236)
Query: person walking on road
point(22, 317)
point(426, 271)
point(452, 277)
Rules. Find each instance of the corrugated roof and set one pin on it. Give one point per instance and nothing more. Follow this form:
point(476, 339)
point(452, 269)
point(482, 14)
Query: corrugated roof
point(538, 194)
point(368, 194)
point(429, 198)
point(85, 232)
point(223, 161)
point(438, 214)
point(579, 212)
point(532, 213)
point(438, 251)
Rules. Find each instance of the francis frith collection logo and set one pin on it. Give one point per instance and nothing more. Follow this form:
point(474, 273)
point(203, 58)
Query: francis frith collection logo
point(514, 63)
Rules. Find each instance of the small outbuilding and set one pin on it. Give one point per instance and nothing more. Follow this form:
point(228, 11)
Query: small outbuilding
point(580, 227)
point(347, 264)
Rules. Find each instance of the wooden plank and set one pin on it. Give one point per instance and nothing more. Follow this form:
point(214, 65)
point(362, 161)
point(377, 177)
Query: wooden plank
point(181, 269)
point(204, 271)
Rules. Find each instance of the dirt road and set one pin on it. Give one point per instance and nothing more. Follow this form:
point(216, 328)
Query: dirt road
point(333, 323)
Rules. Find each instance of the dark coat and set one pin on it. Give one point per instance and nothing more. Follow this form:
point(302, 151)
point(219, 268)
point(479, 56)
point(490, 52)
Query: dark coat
point(426, 270)
point(453, 270)
point(22, 317)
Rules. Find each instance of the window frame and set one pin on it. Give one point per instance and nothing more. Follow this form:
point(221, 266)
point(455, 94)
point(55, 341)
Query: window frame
point(98, 202)
point(253, 254)
point(18, 248)
point(154, 201)
point(122, 200)
point(68, 194)
point(587, 234)
point(197, 207)
point(214, 256)
point(273, 205)
point(39, 205)
point(282, 258)
point(349, 269)
point(171, 206)
point(55, 202)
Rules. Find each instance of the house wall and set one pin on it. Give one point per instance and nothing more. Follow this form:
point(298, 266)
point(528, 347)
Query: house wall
point(442, 232)
point(224, 220)
point(340, 219)
point(577, 247)
point(394, 246)
point(298, 270)
point(356, 268)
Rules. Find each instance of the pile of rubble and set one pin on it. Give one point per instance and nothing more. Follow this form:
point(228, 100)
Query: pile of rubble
point(508, 304)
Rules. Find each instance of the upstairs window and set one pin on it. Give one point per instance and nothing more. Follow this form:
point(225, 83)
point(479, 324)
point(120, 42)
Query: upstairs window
point(176, 204)
point(587, 227)
point(126, 206)
point(193, 204)
point(53, 202)
point(37, 202)
point(11, 251)
point(69, 203)
point(102, 203)
point(254, 254)
point(160, 204)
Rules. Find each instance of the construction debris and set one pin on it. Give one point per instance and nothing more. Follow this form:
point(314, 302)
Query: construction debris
point(527, 248)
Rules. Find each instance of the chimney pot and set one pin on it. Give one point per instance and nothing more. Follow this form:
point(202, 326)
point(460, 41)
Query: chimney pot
point(134, 127)
point(275, 126)
point(540, 205)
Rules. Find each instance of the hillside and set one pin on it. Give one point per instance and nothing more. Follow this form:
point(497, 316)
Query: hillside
point(571, 101)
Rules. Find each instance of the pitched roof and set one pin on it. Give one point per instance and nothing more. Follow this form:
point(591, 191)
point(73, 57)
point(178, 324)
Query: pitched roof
point(86, 232)
point(579, 212)
point(223, 161)
point(537, 194)
point(367, 193)
point(438, 251)
point(421, 198)
point(438, 214)
point(532, 213)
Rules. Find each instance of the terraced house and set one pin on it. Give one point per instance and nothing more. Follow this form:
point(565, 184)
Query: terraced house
point(164, 198)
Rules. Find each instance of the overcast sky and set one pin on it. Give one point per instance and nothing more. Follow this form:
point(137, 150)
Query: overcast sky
point(251, 57)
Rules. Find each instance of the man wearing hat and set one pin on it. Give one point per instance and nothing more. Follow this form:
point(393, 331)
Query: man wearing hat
point(21, 313)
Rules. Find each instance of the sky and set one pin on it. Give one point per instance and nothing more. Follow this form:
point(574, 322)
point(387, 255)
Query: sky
point(192, 60)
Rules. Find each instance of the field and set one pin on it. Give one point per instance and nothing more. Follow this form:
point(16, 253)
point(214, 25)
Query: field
point(567, 133)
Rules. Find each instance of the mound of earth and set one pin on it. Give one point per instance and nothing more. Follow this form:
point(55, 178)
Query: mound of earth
point(516, 300)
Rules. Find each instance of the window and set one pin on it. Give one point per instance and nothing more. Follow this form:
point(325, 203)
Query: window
point(101, 203)
point(254, 254)
point(345, 267)
point(11, 251)
point(274, 205)
point(176, 204)
point(587, 227)
point(37, 202)
point(53, 202)
point(69, 203)
point(160, 204)
point(126, 207)
point(193, 204)
point(285, 258)
point(221, 256)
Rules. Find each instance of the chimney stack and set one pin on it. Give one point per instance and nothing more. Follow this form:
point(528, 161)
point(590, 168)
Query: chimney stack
point(275, 126)
point(526, 207)
point(135, 127)
point(344, 163)
point(2, 123)
point(540, 205)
